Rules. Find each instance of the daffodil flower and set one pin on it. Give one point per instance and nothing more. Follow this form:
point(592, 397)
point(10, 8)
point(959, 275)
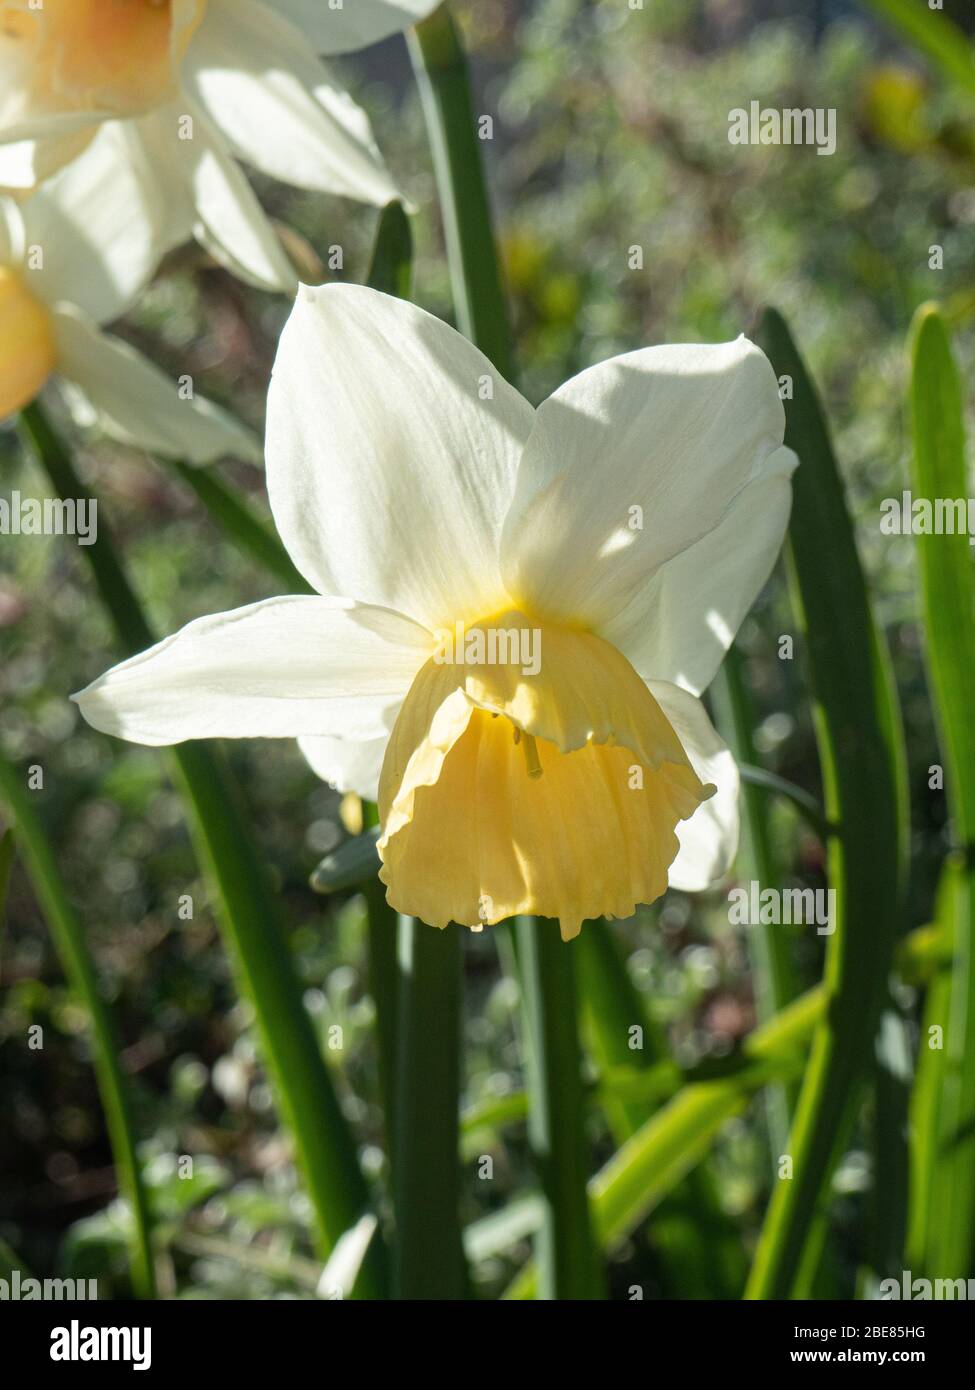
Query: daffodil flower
point(73, 256)
point(622, 529)
point(202, 83)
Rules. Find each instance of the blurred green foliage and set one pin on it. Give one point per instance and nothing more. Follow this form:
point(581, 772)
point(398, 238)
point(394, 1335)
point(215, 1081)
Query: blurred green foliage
point(610, 134)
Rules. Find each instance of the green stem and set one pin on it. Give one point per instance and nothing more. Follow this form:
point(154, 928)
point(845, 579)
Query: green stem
point(556, 1112)
point(760, 779)
point(248, 910)
point(428, 1259)
point(442, 77)
point(556, 1121)
point(80, 969)
point(429, 985)
point(415, 974)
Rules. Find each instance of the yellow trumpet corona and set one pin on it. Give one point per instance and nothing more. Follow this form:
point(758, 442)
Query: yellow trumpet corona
point(27, 348)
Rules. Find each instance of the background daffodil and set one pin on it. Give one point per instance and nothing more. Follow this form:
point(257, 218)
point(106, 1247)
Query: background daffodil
point(201, 84)
point(629, 521)
point(76, 255)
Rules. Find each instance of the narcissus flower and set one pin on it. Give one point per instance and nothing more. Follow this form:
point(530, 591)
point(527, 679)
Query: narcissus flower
point(519, 609)
point(73, 256)
point(202, 83)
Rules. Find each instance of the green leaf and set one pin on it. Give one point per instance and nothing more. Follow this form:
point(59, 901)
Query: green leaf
point(391, 267)
point(248, 912)
point(858, 732)
point(494, 1234)
point(355, 861)
point(72, 946)
point(475, 276)
point(938, 473)
point(933, 34)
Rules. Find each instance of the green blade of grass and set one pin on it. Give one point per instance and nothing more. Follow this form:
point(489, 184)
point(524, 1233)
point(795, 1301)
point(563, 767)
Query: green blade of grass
point(249, 914)
point(79, 967)
point(933, 34)
point(857, 723)
point(441, 73)
point(948, 596)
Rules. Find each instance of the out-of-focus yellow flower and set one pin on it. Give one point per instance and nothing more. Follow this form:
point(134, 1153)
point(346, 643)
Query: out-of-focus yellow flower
point(27, 349)
point(116, 57)
point(539, 599)
point(75, 255)
point(201, 83)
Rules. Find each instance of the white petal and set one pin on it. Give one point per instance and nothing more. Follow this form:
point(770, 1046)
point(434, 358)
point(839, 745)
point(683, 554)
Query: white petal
point(135, 402)
point(13, 235)
point(278, 669)
point(210, 197)
point(278, 107)
point(99, 224)
point(389, 478)
point(26, 163)
point(357, 24)
point(628, 464)
point(343, 1265)
point(709, 840)
point(348, 765)
point(680, 624)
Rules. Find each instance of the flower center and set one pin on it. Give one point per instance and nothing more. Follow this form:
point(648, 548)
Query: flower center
point(119, 56)
point(27, 348)
point(530, 770)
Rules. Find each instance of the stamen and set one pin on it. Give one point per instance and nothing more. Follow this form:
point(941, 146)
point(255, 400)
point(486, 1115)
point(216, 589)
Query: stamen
point(531, 755)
